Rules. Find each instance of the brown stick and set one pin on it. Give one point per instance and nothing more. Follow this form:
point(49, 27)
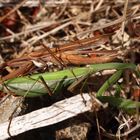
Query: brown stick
point(80, 44)
point(20, 71)
point(13, 10)
point(78, 60)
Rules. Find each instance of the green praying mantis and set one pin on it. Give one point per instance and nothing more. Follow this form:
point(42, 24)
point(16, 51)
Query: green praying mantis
point(54, 80)
point(32, 86)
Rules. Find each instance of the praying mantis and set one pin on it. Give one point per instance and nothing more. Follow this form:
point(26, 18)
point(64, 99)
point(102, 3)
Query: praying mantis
point(32, 86)
point(55, 80)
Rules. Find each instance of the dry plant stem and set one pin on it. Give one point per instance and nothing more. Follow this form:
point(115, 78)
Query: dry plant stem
point(77, 60)
point(132, 130)
point(98, 127)
point(117, 21)
point(19, 72)
point(98, 52)
point(99, 5)
point(124, 16)
point(13, 10)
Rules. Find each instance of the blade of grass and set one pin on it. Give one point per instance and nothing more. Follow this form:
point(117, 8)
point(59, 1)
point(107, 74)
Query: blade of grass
point(125, 104)
point(113, 79)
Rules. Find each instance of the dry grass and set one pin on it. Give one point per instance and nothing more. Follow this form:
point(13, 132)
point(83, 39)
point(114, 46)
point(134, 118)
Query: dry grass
point(53, 34)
